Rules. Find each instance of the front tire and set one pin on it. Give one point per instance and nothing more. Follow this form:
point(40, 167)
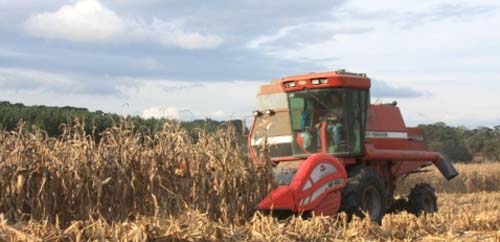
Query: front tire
point(422, 199)
point(364, 192)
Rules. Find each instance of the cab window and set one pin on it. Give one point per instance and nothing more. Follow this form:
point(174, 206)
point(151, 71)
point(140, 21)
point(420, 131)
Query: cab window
point(338, 112)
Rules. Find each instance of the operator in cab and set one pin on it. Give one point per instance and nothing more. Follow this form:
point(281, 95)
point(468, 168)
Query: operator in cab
point(318, 109)
point(333, 116)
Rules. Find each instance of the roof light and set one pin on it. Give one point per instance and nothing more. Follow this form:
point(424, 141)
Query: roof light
point(269, 112)
point(290, 84)
point(319, 81)
point(257, 113)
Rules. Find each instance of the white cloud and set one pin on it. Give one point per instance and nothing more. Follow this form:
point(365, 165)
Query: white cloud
point(161, 112)
point(91, 21)
point(469, 105)
point(85, 21)
point(300, 34)
point(14, 54)
point(443, 49)
point(185, 100)
point(186, 114)
point(188, 40)
point(219, 114)
point(150, 63)
point(193, 100)
point(445, 36)
point(33, 81)
point(172, 33)
point(19, 79)
point(264, 39)
point(381, 89)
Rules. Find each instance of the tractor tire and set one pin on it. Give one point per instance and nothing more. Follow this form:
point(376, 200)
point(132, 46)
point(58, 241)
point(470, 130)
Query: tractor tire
point(422, 199)
point(364, 193)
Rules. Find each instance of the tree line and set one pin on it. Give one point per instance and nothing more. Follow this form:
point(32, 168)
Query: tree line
point(49, 120)
point(455, 143)
point(462, 144)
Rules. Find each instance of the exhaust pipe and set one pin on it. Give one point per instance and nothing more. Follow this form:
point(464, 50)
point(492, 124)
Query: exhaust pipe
point(446, 168)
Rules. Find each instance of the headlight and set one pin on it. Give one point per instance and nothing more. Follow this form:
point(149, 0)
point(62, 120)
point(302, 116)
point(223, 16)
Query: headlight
point(290, 84)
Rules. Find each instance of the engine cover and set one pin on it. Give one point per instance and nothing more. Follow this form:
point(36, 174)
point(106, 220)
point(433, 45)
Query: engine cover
point(315, 187)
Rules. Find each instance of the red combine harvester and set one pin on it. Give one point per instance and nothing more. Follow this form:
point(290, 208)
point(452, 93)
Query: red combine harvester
point(332, 151)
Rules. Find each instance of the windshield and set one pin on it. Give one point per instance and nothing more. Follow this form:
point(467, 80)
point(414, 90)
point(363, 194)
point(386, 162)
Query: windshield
point(339, 113)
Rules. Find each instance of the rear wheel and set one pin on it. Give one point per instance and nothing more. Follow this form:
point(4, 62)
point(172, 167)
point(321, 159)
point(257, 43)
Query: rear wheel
point(422, 199)
point(364, 193)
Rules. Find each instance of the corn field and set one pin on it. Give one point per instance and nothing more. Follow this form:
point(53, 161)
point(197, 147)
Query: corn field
point(126, 174)
point(134, 185)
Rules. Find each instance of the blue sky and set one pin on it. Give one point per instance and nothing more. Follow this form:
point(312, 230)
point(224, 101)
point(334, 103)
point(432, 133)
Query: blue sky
point(439, 58)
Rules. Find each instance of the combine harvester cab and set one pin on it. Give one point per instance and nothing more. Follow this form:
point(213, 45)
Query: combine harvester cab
point(333, 151)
